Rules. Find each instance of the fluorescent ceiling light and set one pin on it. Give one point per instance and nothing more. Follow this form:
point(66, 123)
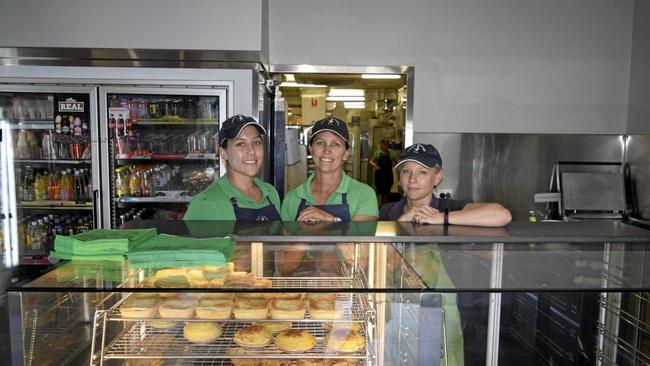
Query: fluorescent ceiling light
point(346, 99)
point(291, 84)
point(346, 93)
point(354, 105)
point(380, 76)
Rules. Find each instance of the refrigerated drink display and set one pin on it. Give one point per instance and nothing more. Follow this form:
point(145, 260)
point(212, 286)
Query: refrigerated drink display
point(163, 150)
point(48, 167)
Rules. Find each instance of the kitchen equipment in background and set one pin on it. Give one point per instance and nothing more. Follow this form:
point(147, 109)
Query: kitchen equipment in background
point(585, 190)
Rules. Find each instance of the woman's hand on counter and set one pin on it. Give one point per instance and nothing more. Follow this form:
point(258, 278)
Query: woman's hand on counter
point(423, 215)
point(312, 213)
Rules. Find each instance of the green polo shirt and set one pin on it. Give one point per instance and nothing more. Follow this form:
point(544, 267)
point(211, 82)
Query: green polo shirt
point(213, 203)
point(361, 198)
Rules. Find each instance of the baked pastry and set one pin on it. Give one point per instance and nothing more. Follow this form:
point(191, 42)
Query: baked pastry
point(216, 283)
point(287, 309)
point(171, 272)
point(253, 336)
point(356, 326)
point(201, 332)
point(139, 308)
point(325, 310)
point(224, 296)
point(242, 361)
point(177, 308)
point(251, 309)
point(286, 295)
point(161, 324)
point(214, 309)
point(263, 283)
point(349, 362)
point(313, 362)
point(144, 362)
point(321, 296)
point(275, 327)
point(295, 341)
point(239, 280)
point(266, 362)
point(344, 341)
point(172, 282)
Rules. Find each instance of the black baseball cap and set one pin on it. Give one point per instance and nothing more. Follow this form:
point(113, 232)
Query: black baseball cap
point(423, 154)
point(233, 126)
point(331, 124)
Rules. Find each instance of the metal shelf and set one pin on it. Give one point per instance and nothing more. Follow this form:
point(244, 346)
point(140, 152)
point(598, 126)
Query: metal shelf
point(33, 125)
point(52, 161)
point(153, 122)
point(140, 341)
point(183, 199)
point(55, 205)
point(168, 157)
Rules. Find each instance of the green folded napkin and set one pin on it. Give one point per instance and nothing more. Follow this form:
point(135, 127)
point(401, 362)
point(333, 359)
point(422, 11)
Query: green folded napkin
point(101, 241)
point(168, 249)
point(91, 257)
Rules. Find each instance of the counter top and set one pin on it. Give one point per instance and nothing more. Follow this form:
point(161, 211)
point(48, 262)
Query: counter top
point(589, 231)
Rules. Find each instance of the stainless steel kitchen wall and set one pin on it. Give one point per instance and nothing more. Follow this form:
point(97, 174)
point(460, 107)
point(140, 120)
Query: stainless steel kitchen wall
point(510, 168)
point(638, 158)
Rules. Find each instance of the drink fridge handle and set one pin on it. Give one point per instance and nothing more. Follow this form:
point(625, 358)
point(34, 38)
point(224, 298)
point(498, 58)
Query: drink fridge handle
point(95, 212)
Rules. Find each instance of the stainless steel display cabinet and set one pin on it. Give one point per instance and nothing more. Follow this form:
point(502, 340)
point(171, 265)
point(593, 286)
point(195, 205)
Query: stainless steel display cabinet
point(552, 293)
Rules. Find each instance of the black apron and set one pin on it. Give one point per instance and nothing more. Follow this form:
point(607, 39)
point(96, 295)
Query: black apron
point(341, 211)
point(266, 213)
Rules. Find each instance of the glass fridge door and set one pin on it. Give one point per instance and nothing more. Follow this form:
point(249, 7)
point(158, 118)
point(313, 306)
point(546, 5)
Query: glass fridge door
point(162, 148)
point(50, 183)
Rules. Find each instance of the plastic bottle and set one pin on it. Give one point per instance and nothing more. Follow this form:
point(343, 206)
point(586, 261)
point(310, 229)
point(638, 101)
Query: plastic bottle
point(57, 124)
point(65, 125)
point(40, 187)
point(148, 188)
point(135, 184)
point(112, 124)
point(121, 183)
point(66, 190)
point(22, 146)
point(78, 188)
point(84, 127)
point(38, 237)
point(58, 227)
point(28, 184)
point(119, 126)
point(77, 127)
point(47, 147)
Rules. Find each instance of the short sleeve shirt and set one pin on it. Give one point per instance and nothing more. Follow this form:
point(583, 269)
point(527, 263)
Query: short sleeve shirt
point(361, 198)
point(393, 210)
point(213, 203)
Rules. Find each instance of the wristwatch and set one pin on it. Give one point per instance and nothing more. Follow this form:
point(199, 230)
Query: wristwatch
point(446, 217)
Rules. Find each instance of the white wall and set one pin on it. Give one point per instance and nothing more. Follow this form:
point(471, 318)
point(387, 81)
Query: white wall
point(639, 103)
point(168, 24)
point(532, 66)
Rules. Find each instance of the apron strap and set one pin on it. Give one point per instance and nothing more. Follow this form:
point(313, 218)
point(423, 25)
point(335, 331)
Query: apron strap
point(344, 198)
point(233, 200)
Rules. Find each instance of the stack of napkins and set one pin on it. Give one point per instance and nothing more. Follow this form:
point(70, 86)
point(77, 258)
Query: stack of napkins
point(165, 251)
point(100, 244)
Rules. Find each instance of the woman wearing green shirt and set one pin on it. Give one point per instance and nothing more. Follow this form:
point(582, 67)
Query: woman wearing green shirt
point(239, 195)
point(329, 194)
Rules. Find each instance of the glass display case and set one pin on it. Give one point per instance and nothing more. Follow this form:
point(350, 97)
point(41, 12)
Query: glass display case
point(380, 293)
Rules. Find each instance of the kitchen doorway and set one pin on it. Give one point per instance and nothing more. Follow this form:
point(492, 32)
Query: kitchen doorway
point(376, 107)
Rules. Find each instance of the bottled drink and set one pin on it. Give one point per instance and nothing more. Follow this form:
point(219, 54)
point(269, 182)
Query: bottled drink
point(40, 187)
point(112, 124)
point(23, 151)
point(78, 188)
point(77, 127)
point(135, 184)
point(28, 184)
point(121, 183)
point(47, 147)
point(65, 125)
point(38, 237)
point(66, 187)
point(68, 229)
point(158, 178)
point(33, 141)
point(84, 127)
point(54, 187)
point(119, 127)
point(148, 187)
point(58, 227)
point(57, 124)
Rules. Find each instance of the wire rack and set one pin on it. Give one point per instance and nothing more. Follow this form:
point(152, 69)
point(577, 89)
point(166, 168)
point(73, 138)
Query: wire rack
point(628, 348)
point(143, 341)
point(138, 340)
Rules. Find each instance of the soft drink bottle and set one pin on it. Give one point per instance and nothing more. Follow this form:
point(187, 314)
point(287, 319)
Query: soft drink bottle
point(112, 124)
point(57, 124)
point(119, 127)
point(78, 188)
